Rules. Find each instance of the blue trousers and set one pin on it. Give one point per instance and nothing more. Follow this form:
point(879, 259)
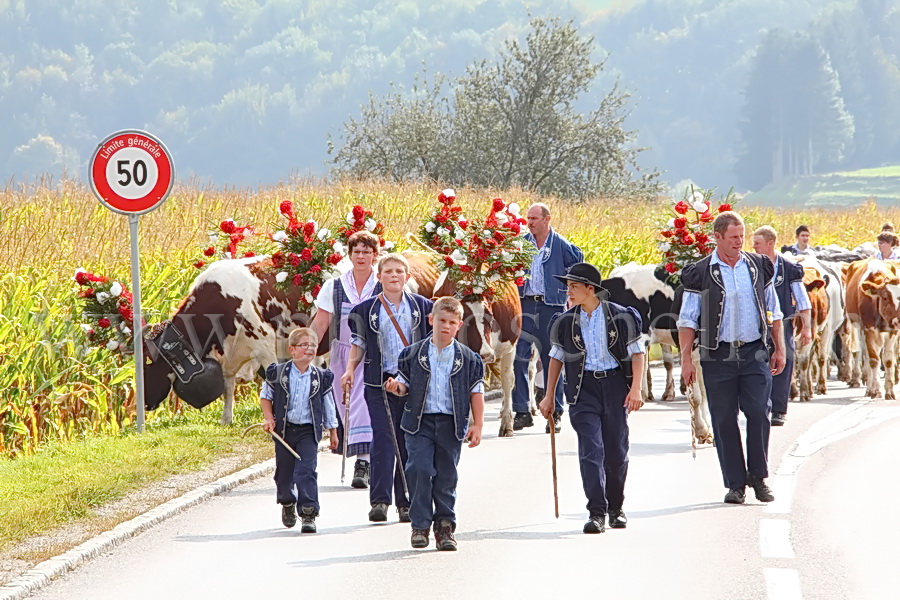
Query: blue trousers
point(600, 421)
point(431, 471)
point(535, 331)
point(297, 480)
point(781, 383)
point(384, 476)
point(739, 379)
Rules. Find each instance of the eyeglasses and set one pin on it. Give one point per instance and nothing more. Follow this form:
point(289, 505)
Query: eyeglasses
point(305, 346)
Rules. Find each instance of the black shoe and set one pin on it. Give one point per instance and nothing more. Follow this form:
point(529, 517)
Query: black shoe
point(419, 538)
point(308, 519)
point(778, 419)
point(594, 525)
point(522, 420)
point(557, 421)
point(403, 514)
point(289, 515)
point(443, 536)
point(360, 475)
point(762, 491)
point(735, 496)
point(617, 519)
point(378, 514)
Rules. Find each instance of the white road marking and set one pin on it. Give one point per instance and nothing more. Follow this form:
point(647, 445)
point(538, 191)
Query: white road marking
point(774, 534)
point(783, 584)
point(775, 538)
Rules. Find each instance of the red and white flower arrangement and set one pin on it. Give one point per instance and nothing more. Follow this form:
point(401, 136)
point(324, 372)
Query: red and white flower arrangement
point(490, 253)
point(234, 234)
point(306, 258)
point(445, 230)
point(360, 219)
point(108, 311)
point(687, 237)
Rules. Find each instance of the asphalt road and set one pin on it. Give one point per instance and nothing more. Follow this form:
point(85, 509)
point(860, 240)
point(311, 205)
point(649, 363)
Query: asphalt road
point(830, 534)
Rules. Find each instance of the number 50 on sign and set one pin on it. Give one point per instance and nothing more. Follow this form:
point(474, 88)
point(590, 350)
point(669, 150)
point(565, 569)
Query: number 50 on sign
point(131, 172)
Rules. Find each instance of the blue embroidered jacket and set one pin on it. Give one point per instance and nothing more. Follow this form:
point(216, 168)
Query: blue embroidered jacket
point(623, 327)
point(562, 254)
point(468, 370)
point(320, 383)
point(365, 323)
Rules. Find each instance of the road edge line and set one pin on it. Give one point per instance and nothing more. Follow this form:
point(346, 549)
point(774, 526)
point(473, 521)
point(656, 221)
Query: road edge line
point(43, 573)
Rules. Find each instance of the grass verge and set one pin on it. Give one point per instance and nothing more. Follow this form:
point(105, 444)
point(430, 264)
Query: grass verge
point(66, 483)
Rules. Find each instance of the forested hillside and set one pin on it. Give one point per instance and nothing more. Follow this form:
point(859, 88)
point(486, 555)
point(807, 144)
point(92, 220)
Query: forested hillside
point(247, 91)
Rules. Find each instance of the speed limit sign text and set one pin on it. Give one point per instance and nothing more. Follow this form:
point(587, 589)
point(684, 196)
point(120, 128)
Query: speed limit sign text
point(131, 172)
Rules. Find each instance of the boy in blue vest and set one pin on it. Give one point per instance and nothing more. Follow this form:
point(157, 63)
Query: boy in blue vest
point(598, 344)
point(380, 328)
point(297, 403)
point(443, 382)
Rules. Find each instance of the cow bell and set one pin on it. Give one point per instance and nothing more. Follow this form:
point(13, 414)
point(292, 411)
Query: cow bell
point(204, 386)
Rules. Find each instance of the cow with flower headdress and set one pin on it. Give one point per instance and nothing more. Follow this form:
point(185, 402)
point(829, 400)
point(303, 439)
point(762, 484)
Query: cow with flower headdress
point(480, 263)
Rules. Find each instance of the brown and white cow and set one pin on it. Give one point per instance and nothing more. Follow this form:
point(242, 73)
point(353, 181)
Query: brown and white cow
point(489, 328)
point(811, 359)
point(873, 306)
point(235, 314)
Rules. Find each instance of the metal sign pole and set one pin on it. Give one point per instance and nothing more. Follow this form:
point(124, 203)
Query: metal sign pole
point(136, 329)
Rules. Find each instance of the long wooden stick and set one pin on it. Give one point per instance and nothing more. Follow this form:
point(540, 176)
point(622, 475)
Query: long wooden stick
point(276, 437)
point(552, 422)
point(285, 444)
point(346, 432)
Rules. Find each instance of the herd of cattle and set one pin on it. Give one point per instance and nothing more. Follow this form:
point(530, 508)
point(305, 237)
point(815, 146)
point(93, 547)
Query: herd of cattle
point(235, 315)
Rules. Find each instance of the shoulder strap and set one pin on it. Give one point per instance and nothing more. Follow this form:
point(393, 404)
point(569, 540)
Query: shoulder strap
point(390, 313)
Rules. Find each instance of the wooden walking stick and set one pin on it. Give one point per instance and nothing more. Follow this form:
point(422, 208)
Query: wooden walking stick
point(551, 421)
point(276, 437)
point(346, 432)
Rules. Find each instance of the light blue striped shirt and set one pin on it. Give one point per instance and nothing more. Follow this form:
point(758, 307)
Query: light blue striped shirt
point(801, 298)
point(298, 410)
point(392, 344)
point(437, 396)
point(534, 286)
point(596, 347)
point(740, 319)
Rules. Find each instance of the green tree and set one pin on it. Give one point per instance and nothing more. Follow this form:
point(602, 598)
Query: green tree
point(513, 122)
point(794, 122)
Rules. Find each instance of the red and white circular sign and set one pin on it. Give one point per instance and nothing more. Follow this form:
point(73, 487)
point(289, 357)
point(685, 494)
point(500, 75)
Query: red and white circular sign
point(131, 172)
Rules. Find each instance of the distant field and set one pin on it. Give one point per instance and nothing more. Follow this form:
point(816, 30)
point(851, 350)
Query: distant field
point(833, 190)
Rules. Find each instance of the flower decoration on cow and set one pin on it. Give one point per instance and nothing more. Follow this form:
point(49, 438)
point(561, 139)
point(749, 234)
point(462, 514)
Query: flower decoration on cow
point(306, 258)
point(233, 235)
point(688, 236)
point(361, 219)
point(491, 253)
point(108, 311)
point(445, 230)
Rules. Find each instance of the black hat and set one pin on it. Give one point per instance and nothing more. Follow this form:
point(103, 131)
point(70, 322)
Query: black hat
point(583, 272)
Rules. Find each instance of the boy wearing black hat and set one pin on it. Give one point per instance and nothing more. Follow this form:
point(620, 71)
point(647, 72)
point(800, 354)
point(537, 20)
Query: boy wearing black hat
point(598, 343)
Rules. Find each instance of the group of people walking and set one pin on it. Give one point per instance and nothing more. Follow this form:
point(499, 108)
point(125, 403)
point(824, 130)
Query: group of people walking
point(411, 388)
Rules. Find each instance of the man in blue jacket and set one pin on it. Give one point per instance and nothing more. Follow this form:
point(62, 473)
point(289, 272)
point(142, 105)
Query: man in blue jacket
point(543, 297)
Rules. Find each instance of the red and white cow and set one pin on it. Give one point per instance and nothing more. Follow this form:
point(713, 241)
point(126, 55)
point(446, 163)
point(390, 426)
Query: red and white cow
point(811, 359)
point(234, 314)
point(873, 305)
point(489, 328)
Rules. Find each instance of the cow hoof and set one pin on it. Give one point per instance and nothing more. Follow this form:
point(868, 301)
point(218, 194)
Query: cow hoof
point(822, 390)
point(668, 397)
point(889, 396)
point(505, 432)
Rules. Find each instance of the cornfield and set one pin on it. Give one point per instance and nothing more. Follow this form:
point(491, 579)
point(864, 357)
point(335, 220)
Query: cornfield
point(54, 386)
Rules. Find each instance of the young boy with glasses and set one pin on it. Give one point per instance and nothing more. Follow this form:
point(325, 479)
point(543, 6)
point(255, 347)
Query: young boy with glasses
point(297, 403)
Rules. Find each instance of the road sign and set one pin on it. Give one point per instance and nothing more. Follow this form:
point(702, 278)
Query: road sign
point(131, 172)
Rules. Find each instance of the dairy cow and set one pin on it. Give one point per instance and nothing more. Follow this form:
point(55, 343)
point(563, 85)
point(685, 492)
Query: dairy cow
point(234, 320)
